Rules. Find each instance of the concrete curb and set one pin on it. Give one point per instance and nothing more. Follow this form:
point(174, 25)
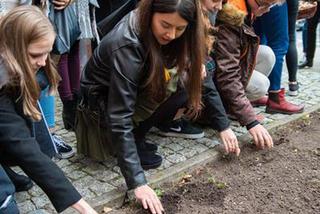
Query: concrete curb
point(176, 172)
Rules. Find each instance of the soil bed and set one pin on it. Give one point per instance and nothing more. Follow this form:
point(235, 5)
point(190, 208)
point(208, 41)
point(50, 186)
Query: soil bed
point(285, 179)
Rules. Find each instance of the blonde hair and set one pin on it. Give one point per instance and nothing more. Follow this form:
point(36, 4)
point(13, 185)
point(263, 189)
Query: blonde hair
point(19, 28)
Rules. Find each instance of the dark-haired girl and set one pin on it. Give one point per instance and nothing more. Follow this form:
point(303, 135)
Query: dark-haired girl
point(145, 69)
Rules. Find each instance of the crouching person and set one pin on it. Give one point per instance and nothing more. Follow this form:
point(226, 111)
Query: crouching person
point(27, 38)
point(242, 65)
point(142, 72)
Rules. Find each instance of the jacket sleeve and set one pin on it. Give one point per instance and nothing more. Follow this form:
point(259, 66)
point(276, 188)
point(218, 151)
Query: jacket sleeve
point(17, 145)
point(214, 109)
point(124, 80)
point(228, 76)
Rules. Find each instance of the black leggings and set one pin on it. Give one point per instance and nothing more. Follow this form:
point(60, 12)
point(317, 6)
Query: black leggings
point(292, 55)
point(163, 114)
point(311, 34)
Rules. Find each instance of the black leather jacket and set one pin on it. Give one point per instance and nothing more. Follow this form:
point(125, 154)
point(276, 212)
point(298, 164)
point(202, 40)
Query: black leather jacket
point(114, 75)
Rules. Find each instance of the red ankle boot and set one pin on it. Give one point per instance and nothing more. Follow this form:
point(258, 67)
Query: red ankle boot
point(278, 104)
point(259, 102)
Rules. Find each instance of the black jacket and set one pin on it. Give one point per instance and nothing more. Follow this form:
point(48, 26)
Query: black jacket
point(18, 146)
point(115, 74)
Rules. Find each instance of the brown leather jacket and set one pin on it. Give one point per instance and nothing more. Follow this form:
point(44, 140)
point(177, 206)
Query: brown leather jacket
point(235, 52)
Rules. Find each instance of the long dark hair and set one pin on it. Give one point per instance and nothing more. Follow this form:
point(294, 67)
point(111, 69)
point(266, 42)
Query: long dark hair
point(186, 52)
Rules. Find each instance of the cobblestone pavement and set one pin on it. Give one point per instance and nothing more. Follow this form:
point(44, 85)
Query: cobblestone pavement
point(95, 180)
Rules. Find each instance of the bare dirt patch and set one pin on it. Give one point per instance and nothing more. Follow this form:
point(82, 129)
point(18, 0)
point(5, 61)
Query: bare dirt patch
point(285, 179)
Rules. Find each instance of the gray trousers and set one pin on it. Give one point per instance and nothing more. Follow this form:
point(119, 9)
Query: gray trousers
point(259, 83)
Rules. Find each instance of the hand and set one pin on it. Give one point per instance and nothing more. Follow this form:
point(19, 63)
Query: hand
point(230, 141)
point(83, 207)
point(261, 137)
point(60, 4)
point(149, 200)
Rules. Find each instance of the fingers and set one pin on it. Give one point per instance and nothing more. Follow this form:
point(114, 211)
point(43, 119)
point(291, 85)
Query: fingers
point(144, 204)
point(154, 205)
point(151, 206)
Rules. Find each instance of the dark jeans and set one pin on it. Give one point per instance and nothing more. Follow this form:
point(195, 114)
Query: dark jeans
point(163, 114)
point(7, 201)
point(272, 28)
point(69, 70)
point(292, 54)
point(310, 33)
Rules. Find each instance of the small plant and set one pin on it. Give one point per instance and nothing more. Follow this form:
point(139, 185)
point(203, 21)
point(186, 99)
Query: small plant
point(218, 184)
point(159, 192)
point(211, 180)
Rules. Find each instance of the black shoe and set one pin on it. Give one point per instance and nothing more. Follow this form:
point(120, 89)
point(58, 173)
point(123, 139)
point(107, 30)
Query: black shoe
point(69, 113)
point(149, 160)
point(181, 128)
point(305, 64)
point(142, 145)
point(293, 89)
point(64, 150)
point(21, 182)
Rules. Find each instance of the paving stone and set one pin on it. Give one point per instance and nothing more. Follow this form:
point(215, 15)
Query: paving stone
point(63, 163)
point(174, 147)
point(94, 168)
point(40, 211)
point(188, 152)
point(100, 188)
point(208, 142)
point(176, 158)
point(76, 175)
point(35, 191)
point(106, 175)
point(165, 164)
point(110, 163)
point(40, 201)
point(26, 206)
point(22, 196)
point(118, 182)
point(165, 151)
point(199, 148)
point(84, 182)
point(86, 193)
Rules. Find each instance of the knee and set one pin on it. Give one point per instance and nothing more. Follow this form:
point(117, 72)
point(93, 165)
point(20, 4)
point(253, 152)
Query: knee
point(264, 85)
point(269, 58)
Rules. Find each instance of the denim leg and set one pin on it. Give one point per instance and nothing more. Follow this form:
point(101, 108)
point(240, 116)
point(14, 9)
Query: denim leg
point(292, 55)
point(274, 27)
point(7, 200)
point(47, 103)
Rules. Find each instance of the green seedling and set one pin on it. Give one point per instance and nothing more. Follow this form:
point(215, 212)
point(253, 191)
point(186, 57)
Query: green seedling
point(211, 180)
point(159, 192)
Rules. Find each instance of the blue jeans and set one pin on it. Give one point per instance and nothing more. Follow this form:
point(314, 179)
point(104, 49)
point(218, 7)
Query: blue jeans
point(272, 28)
point(7, 201)
point(47, 103)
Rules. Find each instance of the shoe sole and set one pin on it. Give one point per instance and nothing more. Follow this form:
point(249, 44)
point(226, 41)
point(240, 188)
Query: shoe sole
point(179, 135)
point(151, 166)
point(65, 155)
point(271, 111)
point(293, 93)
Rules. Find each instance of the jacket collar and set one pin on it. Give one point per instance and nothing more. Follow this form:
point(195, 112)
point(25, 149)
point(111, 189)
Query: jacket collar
point(230, 14)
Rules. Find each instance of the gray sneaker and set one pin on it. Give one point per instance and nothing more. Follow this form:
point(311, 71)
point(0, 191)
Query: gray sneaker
point(64, 150)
